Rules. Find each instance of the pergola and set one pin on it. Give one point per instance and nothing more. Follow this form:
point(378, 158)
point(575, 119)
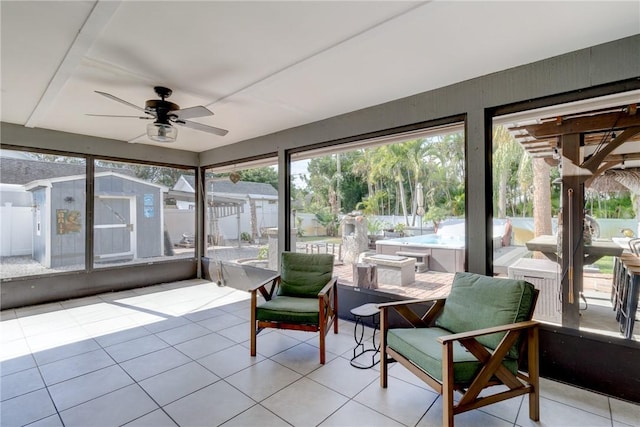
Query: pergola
point(218, 207)
point(597, 148)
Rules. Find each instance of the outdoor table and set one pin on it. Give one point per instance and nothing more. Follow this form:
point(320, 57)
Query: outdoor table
point(360, 313)
point(548, 245)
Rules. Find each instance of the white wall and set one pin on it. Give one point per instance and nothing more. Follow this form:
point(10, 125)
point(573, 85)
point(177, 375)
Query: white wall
point(178, 222)
point(266, 214)
point(16, 231)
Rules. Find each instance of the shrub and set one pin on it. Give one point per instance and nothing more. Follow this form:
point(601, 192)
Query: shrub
point(263, 252)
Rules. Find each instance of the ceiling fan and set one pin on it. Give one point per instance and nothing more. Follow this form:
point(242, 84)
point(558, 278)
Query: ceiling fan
point(166, 113)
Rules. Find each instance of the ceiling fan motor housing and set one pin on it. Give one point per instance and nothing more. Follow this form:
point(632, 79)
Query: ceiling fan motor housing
point(160, 106)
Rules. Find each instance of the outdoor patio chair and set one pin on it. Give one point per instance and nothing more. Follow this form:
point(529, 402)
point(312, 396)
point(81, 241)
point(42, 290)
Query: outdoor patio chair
point(470, 341)
point(304, 296)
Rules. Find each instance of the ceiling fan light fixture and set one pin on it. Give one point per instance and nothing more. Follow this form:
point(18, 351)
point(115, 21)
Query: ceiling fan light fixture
point(162, 132)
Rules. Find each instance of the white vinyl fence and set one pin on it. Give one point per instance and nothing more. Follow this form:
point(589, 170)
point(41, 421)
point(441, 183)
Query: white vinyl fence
point(16, 230)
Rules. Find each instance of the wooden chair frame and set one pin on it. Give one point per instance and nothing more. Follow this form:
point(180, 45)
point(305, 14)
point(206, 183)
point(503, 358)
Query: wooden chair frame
point(327, 306)
point(492, 371)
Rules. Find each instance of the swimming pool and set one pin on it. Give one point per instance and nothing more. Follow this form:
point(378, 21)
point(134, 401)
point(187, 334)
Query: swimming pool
point(430, 240)
point(446, 249)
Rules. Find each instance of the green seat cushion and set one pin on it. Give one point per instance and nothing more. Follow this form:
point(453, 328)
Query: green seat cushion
point(421, 346)
point(289, 309)
point(304, 275)
point(478, 301)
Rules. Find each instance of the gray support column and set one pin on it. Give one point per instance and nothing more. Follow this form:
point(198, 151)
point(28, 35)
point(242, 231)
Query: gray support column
point(238, 224)
point(201, 205)
point(478, 192)
point(284, 203)
point(89, 211)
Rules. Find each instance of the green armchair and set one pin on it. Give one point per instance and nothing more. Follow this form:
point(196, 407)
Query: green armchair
point(303, 297)
point(474, 339)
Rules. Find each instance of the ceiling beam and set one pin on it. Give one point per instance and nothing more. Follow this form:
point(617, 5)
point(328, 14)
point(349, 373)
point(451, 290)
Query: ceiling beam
point(98, 17)
point(600, 123)
point(593, 162)
point(602, 169)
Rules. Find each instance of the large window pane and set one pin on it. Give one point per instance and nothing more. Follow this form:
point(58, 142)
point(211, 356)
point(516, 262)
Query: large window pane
point(401, 197)
point(242, 214)
point(568, 196)
point(42, 213)
point(142, 213)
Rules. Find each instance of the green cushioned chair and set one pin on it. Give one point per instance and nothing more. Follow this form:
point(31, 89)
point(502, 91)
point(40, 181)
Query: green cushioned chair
point(470, 341)
point(303, 296)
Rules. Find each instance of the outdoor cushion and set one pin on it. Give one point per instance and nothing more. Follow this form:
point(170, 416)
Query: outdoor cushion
point(421, 346)
point(304, 275)
point(478, 302)
point(289, 309)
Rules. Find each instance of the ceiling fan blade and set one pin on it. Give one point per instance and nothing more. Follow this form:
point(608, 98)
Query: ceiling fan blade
point(122, 101)
point(203, 128)
point(192, 112)
point(114, 115)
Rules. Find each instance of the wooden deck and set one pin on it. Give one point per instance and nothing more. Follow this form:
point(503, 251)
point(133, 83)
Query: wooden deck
point(428, 284)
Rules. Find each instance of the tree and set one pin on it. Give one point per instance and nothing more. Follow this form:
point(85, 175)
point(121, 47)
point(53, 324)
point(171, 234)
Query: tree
point(320, 182)
point(158, 174)
point(342, 191)
point(390, 160)
point(506, 156)
point(376, 179)
point(435, 215)
point(542, 197)
point(444, 182)
point(525, 184)
point(267, 175)
point(329, 221)
point(416, 151)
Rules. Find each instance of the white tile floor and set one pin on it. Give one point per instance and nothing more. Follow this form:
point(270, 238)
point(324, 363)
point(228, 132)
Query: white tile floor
point(177, 354)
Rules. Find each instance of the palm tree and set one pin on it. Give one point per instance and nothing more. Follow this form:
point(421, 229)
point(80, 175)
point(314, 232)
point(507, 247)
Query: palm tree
point(506, 156)
point(391, 160)
point(444, 158)
point(416, 151)
point(541, 197)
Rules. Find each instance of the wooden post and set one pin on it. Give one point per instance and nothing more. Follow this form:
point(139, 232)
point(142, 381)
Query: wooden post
point(572, 219)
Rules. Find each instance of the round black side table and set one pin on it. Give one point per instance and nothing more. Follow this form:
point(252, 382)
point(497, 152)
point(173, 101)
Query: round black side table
point(360, 313)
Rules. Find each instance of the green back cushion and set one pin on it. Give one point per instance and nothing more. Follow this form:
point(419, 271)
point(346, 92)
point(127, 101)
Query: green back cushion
point(304, 275)
point(477, 302)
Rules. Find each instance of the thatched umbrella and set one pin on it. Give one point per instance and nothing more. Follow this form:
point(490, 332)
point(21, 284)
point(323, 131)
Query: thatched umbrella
point(616, 181)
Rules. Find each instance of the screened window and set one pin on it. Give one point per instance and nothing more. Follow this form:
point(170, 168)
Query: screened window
point(142, 213)
point(569, 218)
point(400, 196)
point(42, 213)
point(242, 214)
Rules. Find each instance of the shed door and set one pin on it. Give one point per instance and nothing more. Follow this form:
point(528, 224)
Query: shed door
point(114, 228)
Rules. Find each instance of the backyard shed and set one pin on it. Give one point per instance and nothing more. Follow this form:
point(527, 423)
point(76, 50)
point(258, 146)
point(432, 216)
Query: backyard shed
point(128, 220)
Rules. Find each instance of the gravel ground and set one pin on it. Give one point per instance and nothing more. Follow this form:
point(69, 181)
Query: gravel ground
point(18, 266)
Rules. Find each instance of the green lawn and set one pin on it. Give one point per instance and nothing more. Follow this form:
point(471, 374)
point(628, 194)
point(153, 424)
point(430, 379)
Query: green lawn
point(605, 264)
point(327, 239)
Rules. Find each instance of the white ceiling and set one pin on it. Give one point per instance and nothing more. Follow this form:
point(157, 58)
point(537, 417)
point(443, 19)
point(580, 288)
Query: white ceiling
point(266, 66)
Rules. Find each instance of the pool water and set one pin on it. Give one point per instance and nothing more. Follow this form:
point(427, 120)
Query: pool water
point(428, 240)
